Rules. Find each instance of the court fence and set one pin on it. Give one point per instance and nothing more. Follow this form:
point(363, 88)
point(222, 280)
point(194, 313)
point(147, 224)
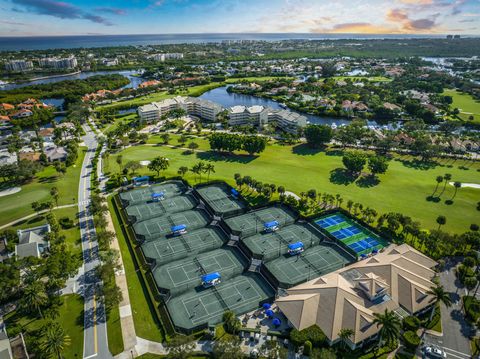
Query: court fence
point(206, 201)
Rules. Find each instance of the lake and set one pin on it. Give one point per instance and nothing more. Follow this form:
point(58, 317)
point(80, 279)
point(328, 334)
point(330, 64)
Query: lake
point(227, 99)
point(135, 80)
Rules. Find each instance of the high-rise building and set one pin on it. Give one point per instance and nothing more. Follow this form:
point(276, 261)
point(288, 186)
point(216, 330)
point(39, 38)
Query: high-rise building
point(18, 65)
point(58, 63)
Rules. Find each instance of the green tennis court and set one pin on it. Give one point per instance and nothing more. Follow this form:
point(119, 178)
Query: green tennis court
point(185, 274)
point(240, 294)
point(144, 194)
point(250, 223)
point(268, 246)
point(315, 261)
point(353, 235)
point(165, 250)
point(220, 198)
point(144, 211)
point(162, 226)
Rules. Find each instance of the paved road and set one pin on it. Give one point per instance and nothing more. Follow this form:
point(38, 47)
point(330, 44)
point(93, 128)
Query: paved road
point(95, 327)
point(456, 329)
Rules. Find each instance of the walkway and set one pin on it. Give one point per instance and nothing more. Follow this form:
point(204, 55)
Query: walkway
point(18, 220)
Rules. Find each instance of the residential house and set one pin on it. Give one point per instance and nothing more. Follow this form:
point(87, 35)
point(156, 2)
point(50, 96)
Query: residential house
point(32, 242)
point(46, 134)
point(3, 251)
point(56, 153)
point(22, 113)
point(6, 107)
point(14, 348)
point(5, 121)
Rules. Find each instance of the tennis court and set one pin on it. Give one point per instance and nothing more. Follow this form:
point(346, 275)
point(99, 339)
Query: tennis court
point(240, 294)
point(144, 211)
point(315, 261)
point(351, 234)
point(182, 275)
point(164, 250)
point(143, 195)
point(268, 246)
point(162, 226)
point(220, 199)
point(251, 223)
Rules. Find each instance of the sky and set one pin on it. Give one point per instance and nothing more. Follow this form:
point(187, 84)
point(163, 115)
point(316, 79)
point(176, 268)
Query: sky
point(94, 17)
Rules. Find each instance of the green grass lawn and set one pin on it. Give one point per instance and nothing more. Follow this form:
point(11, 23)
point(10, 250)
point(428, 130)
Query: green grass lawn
point(466, 104)
point(202, 142)
point(143, 317)
point(404, 188)
point(114, 332)
point(19, 204)
point(364, 78)
point(72, 235)
point(70, 318)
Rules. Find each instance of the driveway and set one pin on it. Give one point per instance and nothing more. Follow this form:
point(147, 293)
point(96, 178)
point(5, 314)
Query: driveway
point(456, 329)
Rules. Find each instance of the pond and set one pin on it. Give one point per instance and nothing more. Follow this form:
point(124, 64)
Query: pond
point(227, 99)
point(133, 76)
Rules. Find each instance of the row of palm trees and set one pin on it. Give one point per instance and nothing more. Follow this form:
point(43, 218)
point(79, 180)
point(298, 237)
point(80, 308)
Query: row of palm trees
point(198, 169)
point(445, 179)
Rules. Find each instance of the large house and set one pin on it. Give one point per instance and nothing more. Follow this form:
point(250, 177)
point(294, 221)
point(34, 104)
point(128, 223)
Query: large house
point(32, 242)
point(397, 279)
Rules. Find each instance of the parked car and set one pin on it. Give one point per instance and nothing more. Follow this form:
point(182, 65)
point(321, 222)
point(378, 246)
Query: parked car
point(434, 352)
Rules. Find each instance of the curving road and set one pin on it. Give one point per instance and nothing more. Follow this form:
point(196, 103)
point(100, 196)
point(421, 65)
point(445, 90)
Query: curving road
point(95, 327)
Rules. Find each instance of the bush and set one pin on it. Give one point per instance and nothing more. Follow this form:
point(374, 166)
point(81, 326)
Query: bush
point(66, 222)
point(307, 348)
point(312, 334)
point(411, 323)
point(472, 308)
point(411, 339)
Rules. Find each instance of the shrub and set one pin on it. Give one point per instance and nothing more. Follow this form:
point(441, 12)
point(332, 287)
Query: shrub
point(312, 334)
point(307, 348)
point(411, 339)
point(66, 222)
point(469, 262)
point(472, 308)
point(411, 323)
point(470, 282)
point(297, 337)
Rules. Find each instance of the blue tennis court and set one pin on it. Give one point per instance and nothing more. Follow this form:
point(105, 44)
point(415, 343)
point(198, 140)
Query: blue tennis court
point(330, 221)
point(351, 234)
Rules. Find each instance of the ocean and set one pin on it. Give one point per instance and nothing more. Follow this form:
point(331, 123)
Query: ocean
point(88, 41)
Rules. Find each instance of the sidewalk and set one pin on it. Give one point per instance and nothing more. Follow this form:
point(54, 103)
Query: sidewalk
point(18, 220)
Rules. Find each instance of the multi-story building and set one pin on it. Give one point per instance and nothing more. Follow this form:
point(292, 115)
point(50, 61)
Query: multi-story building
point(193, 106)
point(58, 63)
point(18, 65)
point(241, 115)
point(286, 120)
point(166, 56)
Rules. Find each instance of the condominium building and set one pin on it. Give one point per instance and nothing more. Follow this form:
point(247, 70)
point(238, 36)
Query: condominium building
point(58, 63)
point(166, 56)
point(286, 120)
point(193, 106)
point(242, 115)
point(18, 65)
point(259, 116)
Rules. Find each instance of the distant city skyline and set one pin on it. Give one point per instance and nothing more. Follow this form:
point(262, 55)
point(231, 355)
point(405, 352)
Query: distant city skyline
point(110, 17)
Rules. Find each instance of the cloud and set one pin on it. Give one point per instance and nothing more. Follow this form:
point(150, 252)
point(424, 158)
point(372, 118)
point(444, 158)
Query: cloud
point(7, 22)
point(357, 28)
point(111, 10)
point(58, 9)
point(401, 17)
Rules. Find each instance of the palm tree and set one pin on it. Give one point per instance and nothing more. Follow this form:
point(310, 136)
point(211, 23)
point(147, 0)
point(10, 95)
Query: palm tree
point(447, 177)
point(182, 171)
point(344, 335)
point(390, 326)
point(441, 220)
point(208, 169)
point(34, 297)
point(439, 296)
point(350, 205)
point(231, 322)
point(439, 180)
point(457, 185)
point(54, 340)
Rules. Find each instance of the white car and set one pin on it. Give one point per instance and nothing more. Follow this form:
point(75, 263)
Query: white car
point(434, 352)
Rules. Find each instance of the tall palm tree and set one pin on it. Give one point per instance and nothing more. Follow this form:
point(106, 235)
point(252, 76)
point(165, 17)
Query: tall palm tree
point(457, 185)
point(439, 296)
point(34, 297)
point(390, 326)
point(209, 168)
point(439, 180)
point(447, 177)
point(344, 334)
point(54, 340)
point(441, 220)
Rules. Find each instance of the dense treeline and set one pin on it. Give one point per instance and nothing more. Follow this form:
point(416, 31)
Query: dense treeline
point(231, 142)
point(71, 90)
